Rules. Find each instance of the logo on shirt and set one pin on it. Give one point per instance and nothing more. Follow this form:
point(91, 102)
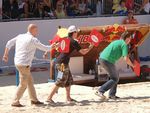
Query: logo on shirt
point(63, 44)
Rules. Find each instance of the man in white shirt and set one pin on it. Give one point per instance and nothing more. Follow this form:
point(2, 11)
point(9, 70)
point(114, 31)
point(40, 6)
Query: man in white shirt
point(25, 47)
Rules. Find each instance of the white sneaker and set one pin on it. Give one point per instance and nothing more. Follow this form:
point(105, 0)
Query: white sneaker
point(101, 95)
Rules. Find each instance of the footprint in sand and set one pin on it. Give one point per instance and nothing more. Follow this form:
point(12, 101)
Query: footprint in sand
point(146, 100)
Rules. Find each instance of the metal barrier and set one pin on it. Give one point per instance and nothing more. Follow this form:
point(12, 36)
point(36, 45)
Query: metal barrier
point(13, 70)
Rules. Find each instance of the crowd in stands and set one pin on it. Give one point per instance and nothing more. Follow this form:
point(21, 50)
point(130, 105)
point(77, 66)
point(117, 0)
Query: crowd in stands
point(138, 6)
point(16, 9)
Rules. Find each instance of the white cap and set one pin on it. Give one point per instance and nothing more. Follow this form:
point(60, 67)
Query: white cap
point(72, 29)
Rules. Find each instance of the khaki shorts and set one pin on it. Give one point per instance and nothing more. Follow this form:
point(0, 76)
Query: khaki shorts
point(66, 80)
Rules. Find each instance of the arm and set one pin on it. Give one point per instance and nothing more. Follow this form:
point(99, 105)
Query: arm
point(125, 21)
point(126, 58)
point(143, 4)
point(125, 55)
point(45, 55)
point(85, 51)
point(54, 12)
point(5, 56)
point(43, 47)
point(9, 44)
point(135, 21)
point(26, 7)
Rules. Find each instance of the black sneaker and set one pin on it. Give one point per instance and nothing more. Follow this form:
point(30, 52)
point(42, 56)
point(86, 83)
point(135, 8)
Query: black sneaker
point(114, 97)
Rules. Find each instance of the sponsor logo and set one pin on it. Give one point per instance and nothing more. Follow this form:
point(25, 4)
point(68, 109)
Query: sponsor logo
point(83, 38)
point(94, 38)
point(63, 44)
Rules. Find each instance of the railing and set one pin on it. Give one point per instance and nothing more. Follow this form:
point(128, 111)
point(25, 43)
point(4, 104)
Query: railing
point(70, 17)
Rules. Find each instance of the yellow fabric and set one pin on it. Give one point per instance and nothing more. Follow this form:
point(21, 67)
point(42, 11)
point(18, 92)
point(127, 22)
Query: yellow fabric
point(62, 32)
point(60, 14)
point(119, 9)
point(115, 4)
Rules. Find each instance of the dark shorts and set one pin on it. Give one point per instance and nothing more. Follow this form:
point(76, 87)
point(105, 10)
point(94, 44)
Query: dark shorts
point(66, 79)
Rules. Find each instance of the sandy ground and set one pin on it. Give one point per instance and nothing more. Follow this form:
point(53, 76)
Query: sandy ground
point(135, 98)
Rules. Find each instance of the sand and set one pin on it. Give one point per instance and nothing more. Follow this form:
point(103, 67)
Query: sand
point(135, 98)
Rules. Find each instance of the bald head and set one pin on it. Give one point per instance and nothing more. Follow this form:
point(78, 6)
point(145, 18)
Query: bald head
point(33, 29)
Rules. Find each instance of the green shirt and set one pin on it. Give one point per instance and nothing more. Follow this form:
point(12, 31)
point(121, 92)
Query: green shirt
point(114, 51)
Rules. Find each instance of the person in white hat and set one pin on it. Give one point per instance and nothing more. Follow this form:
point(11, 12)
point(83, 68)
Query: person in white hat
point(64, 77)
point(72, 29)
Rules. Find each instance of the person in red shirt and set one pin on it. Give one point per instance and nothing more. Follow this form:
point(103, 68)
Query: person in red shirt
point(130, 19)
point(129, 4)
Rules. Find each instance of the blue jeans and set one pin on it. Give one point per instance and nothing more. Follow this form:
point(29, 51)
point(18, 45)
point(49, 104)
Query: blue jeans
point(114, 78)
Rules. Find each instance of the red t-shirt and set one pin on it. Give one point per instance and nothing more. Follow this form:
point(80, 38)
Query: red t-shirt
point(129, 4)
point(130, 21)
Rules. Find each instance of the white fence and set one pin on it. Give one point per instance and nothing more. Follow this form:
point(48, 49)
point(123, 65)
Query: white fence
point(47, 29)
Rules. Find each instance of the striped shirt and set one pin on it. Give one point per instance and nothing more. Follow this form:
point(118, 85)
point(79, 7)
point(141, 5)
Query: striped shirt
point(25, 47)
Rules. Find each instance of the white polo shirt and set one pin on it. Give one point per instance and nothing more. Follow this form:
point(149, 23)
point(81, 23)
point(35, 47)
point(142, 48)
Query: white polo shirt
point(25, 47)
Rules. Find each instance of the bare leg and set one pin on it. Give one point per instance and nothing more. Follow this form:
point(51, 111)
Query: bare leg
point(52, 68)
point(53, 91)
point(68, 93)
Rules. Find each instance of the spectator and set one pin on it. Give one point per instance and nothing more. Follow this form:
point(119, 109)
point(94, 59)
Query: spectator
point(60, 12)
point(72, 8)
point(92, 5)
point(0, 13)
point(32, 8)
point(21, 7)
point(14, 10)
point(6, 9)
point(107, 6)
point(130, 19)
point(145, 8)
point(121, 9)
point(39, 10)
point(129, 4)
point(63, 2)
point(47, 8)
point(83, 8)
point(24, 9)
point(60, 2)
point(115, 5)
point(89, 6)
point(99, 7)
point(54, 2)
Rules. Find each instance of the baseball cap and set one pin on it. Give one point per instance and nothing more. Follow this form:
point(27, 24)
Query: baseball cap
point(72, 29)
